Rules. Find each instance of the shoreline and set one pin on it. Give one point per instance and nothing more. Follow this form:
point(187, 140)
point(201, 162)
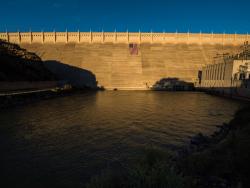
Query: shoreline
point(219, 160)
point(29, 97)
point(19, 99)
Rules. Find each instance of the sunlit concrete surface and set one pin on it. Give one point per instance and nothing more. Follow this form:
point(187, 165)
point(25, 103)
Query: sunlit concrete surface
point(109, 58)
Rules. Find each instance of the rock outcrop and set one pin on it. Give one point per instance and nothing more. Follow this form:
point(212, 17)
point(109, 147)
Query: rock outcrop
point(17, 64)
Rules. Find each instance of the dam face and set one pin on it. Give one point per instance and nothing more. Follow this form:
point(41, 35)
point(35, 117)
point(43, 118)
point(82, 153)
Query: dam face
point(129, 60)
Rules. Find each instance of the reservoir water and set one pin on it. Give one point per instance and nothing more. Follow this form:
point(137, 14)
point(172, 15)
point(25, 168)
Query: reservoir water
point(62, 142)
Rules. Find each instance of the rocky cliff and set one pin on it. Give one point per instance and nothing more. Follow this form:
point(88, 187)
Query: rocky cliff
point(17, 64)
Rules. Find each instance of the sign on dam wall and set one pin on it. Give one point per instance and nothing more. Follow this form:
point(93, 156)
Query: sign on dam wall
point(125, 60)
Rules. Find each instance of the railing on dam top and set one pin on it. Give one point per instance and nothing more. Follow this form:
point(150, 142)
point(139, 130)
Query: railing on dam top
point(122, 37)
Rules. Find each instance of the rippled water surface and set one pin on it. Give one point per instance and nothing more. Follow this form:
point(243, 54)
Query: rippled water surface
point(63, 141)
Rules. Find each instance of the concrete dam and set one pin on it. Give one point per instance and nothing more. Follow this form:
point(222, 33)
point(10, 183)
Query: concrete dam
point(124, 60)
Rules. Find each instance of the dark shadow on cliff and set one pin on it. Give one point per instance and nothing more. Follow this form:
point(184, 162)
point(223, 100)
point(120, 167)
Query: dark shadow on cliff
point(18, 64)
point(77, 77)
point(173, 84)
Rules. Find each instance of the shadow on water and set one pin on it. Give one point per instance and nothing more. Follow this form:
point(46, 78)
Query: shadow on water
point(172, 84)
point(79, 78)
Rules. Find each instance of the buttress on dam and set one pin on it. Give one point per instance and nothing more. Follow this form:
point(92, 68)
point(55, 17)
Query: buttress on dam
point(125, 60)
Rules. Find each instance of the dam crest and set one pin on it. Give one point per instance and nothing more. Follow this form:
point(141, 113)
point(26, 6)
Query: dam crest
point(122, 37)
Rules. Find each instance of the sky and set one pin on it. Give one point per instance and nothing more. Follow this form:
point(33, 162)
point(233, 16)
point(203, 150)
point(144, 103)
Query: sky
point(218, 16)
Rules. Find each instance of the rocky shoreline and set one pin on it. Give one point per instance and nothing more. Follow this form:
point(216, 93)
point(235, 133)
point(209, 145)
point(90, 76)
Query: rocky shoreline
point(220, 160)
point(201, 142)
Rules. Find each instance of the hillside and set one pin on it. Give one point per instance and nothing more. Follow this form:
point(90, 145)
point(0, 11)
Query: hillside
point(17, 64)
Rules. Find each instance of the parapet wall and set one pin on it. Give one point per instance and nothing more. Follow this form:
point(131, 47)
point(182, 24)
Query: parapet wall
point(123, 37)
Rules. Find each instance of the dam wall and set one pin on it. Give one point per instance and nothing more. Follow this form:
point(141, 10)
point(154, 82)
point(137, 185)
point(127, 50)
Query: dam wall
point(128, 60)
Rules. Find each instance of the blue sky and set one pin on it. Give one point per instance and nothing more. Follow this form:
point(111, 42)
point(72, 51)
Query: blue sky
point(157, 15)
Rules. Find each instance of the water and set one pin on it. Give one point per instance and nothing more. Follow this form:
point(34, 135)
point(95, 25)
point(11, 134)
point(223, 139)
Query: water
point(63, 142)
